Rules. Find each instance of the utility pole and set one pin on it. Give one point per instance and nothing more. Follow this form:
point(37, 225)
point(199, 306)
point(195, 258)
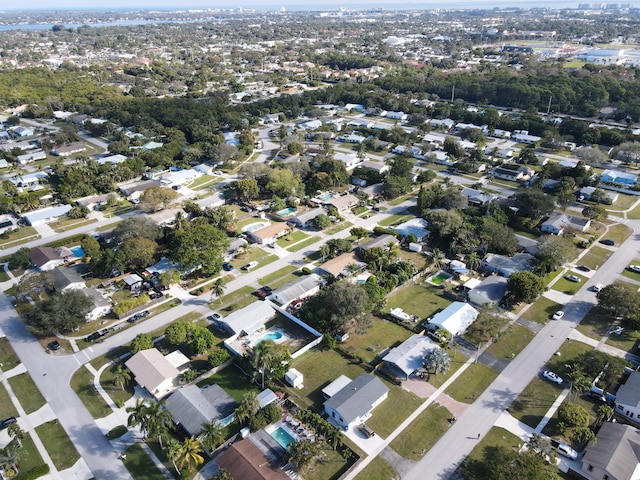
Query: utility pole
point(453, 93)
point(549, 106)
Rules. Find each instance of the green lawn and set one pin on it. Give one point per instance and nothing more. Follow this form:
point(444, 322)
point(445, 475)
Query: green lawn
point(395, 219)
point(278, 274)
point(58, 445)
point(596, 323)
point(22, 235)
point(29, 455)
point(233, 381)
point(69, 224)
point(404, 198)
point(378, 469)
point(534, 401)
point(303, 244)
point(457, 360)
point(381, 335)
point(595, 257)
point(199, 182)
point(626, 341)
point(234, 301)
point(8, 357)
point(338, 228)
point(140, 466)
point(511, 342)
point(419, 300)
point(618, 233)
point(471, 383)
point(423, 432)
point(630, 273)
point(623, 202)
point(287, 240)
point(566, 286)
point(497, 437)
point(266, 260)
point(6, 405)
point(332, 465)
point(542, 310)
point(117, 394)
point(82, 384)
point(394, 410)
point(28, 394)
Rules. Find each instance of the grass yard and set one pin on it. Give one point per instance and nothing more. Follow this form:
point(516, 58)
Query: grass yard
point(626, 341)
point(233, 381)
point(6, 405)
point(338, 228)
point(569, 351)
point(634, 214)
point(381, 335)
point(394, 410)
point(419, 300)
point(595, 324)
point(277, 275)
point(497, 437)
point(423, 432)
point(630, 273)
point(534, 401)
point(234, 300)
point(117, 394)
point(541, 310)
point(29, 455)
point(28, 394)
point(82, 384)
point(396, 219)
point(66, 224)
point(570, 288)
point(252, 254)
point(624, 202)
point(287, 240)
point(201, 181)
point(22, 235)
point(549, 277)
point(3, 275)
point(595, 257)
point(304, 244)
point(618, 233)
point(378, 469)
point(417, 258)
point(332, 465)
point(266, 260)
point(471, 383)
point(140, 466)
point(8, 357)
point(511, 342)
point(404, 198)
point(58, 445)
point(457, 360)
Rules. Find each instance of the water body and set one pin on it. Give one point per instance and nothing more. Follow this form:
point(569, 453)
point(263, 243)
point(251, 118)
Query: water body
point(49, 26)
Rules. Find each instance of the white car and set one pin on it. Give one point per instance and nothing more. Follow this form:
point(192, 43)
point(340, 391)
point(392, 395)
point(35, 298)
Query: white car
point(567, 451)
point(552, 377)
point(634, 268)
point(558, 315)
point(597, 287)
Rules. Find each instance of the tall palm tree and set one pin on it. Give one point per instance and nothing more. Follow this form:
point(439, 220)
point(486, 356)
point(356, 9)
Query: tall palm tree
point(190, 453)
point(9, 457)
point(247, 408)
point(159, 420)
point(217, 290)
point(211, 435)
point(353, 269)
point(393, 250)
point(138, 415)
point(473, 260)
point(122, 376)
point(605, 412)
point(16, 433)
point(174, 450)
point(302, 453)
point(324, 251)
point(438, 257)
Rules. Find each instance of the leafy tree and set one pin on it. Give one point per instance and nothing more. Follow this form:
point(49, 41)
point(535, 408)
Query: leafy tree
point(138, 226)
point(321, 222)
point(571, 415)
point(524, 287)
point(359, 233)
point(620, 300)
point(437, 360)
point(201, 340)
point(605, 413)
point(394, 186)
point(20, 259)
point(271, 360)
point(60, 312)
point(222, 474)
point(90, 246)
point(142, 341)
point(336, 308)
point(302, 453)
point(121, 376)
point(500, 463)
point(283, 183)
point(169, 277)
point(78, 212)
point(554, 251)
point(444, 223)
point(533, 203)
point(218, 356)
point(198, 246)
point(582, 435)
point(497, 238)
point(177, 332)
point(453, 200)
point(139, 252)
point(595, 212)
point(155, 199)
point(247, 189)
point(338, 246)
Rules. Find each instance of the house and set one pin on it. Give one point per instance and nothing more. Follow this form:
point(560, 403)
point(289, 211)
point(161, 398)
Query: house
point(46, 215)
point(349, 160)
point(111, 159)
point(214, 200)
point(68, 150)
point(415, 226)
point(298, 289)
point(180, 177)
point(489, 291)
point(513, 173)
point(69, 278)
point(505, 266)
point(619, 178)
point(455, 319)
point(191, 406)
point(151, 146)
point(338, 266)
point(22, 132)
point(558, 222)
point(3, 163)
point(268, 234)
point(133, 191)
point(311, 124)
point(45, 258)
point(445, 124)
point(381, 241)
point(158, 374)
point(477, 197)
point(101, 305)
point(627, 403)
point(361, 123)
point(603, 197)
point(377, 166)
point(343, 202)
point(31, 180)
point(523, 136)
point(352, 405)
point(132, 282)
point(31, 157)
point(503, 153)
point(401, 116)
point(614, 456)
point(247, 320)
point(351, 138)
point(7, 222)
point(94, 201)
point(408, 357)
point(304, 220)
point(244, 460)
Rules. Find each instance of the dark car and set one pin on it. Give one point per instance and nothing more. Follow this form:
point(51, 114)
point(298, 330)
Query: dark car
point(53, 346)
point(608, 241)
point(93, 336)
point(583, 268)
point(6, 422)
point(267, 289)
point(260, 293)
point(227, 267)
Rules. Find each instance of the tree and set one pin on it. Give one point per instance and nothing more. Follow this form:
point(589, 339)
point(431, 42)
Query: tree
point(20, 259)
point(139, 252)
point(190, 453)
point(605, 412)
point(60, 312)
point(169, 277)
point(174, 450)
point(395, 186)
point(582, 435)
point(222, 474)
point(90, 246)
point(217, 290)
point(500, 463)
point(138, 415)
point(321, 222)
point(524, 287)
point(325, 251)
point(437, 360)
point(142, 341)
point(283, 183)
point(247, 189)
point(16, 433)
point(444, 223)
point(620, 300)
point(201, 340)
point(302, 453)
point(271, 360)
point(121, 376)
point(177, 332)
point(247, 407)
point(571, 415)
point(158, 420)
point(359, 233)
point(453, 200)
point(198, 246)
point(336, 308)
point(155, 199)
point(138, 226)
point(554, 251)
point(595, 212)
point(212, 435)
point(533, 203)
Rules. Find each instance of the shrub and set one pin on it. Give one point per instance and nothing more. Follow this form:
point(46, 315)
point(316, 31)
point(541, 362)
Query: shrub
point(35, 472)
point(218, 356)
point(307, 271)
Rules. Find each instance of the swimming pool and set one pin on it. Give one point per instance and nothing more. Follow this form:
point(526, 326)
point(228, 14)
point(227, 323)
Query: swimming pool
point(283, 437)
point(286, 211)
point(269, 336)
point(78, 252)
point(439, 277)
point(255, 226)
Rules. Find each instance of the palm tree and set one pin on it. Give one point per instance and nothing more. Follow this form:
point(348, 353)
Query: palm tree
point(605, 412)
point(242, 249)
point(353, 269)
point(333, 437)
point(180, 221)
point(16, 433)
point(302, 453)
point(247, 408)
point(473, 260)
point(324, 251)
point(438, 360)
point(138, 415)
point(211, 435)
point(174, 450)
point(217, 290)
point(393, 250)
point(122, 376)
point(190, 453)
point(9, 458)
point(158, 420)
point(438, 257)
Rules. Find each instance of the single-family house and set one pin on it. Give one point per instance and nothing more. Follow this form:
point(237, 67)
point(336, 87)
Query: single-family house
point(304, 219)
point(338, 266)
point(310, 124)
point(3, 163)
point(244, 460)
point(272, 118)
point(455, 319)
point(523, 136)
point(489, 291)
point(614, 456)
point(101, 305)
point(151, 146)
point(69, 278)
point(111, 159)
point(354, 106)
point(415, 226)
point(94, 201)
point(133, 191)
point(619, 178)
point(505, 266)
point(7, 222)
point(45, 258)
point(351, 138)
point(440, 157)
point(268, 234)
point(444, 124)
point(343, 202)
point(513, 173)
point(214, 200)
point(191, 406)
point(558, 223)
point(587, 193)
point(408, 357)
point(180, 177)
point(352, 405)
point(247, 320)
point(30, 180)
point(31, 157)
point(234, 247)
point(46, 215)
point(503, 153)
point(21, 131)
point(204, 169)
point(158, 374)
point(477, 197)
point(133, 281)
point(348, 160)
point(379, 167)
point(70, 149)
point(298, 289)
point(627, 403)
point(381, 241)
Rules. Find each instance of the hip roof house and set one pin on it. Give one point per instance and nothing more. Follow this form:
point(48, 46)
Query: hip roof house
point(408, 357)
point(455, 319)
point(353, 404)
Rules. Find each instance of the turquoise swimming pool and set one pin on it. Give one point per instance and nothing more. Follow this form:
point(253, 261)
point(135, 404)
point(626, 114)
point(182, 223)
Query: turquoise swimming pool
point(286, 211)
point(269, 336)
point(283, 437)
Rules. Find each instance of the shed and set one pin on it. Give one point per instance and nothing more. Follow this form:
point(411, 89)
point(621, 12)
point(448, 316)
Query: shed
point(266, 397)
point(294, 378)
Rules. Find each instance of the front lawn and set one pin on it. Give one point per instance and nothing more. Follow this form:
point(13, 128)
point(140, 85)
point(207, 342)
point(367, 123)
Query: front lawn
point(511, 342)
point(277, 275)
point(596, 323)
point(627, 341)
point(471, 383)
point(28, 394)
point(6, 405)
point(420, 300)
point(82, 384)
point(304, 244)
point(541, 310)
point(630, 273)
point(252, 254)
point(140, 465)
point(233, 301)
point(378, 469)
point(595, 257)
point(381, 335)
point(338, 228)
point(394, 410)
point(287, 240)
point(618, 233)
point(60, 449)
point(497, 437)
point(8, 357)
point(118, 394)
point(534, 401)
point(566, 286)
point(423, 432)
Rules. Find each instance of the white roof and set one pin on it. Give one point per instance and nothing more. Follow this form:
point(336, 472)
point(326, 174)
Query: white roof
point(292, 374)
point(45, 213)
point(250, 318)
point(409, 355)
point(456, 318)
point(335, 386)
point(266, 397)
point(472, 283)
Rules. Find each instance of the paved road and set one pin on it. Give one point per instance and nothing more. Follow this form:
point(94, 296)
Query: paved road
point(456, 444)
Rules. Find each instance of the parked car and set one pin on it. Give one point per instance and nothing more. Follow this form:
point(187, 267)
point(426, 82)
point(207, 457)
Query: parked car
point(367, 430)
point(96, 335)
point(634, 268)
point(214, 317)
point(260, 293)
point(608, 241)
point(227, 267)
point(558, 315)
point(552, 377)
point(267, 289)
point(567, 451)
point(53, 346)
point(249, 266)
point(573, 278)
point(7, 421)
point(597, 287)
point(138, 316)
point(583, 268)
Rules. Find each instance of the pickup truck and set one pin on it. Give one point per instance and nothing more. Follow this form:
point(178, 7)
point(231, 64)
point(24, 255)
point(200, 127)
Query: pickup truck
point(96, 335)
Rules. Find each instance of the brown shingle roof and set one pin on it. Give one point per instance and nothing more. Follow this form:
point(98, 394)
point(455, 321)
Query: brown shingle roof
point(41, 255)
point(245, 461)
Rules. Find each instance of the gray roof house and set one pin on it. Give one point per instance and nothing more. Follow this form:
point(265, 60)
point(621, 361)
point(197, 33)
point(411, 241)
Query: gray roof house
point(488, 292)
point(627, 403)
point(558, 222)
point(191, 406)
point(304, 219)
point(45, 258)
point(297, 289)
point(505, 266)
point(69, 278)
point(353, 404)
point(408, 357)
point(381, 241)
point(615, 456)
point(477, 197)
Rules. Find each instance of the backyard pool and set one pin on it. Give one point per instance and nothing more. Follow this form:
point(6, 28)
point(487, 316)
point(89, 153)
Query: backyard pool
point(439, 277)
point(255, 226)
point(283, 437)
point(275, 336)
point(78, 252)
point(286, 211)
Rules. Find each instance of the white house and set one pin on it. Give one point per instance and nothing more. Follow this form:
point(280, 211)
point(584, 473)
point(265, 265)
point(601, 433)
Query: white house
point(180, 177)
point(31, 157)
point(45, 258)
point(627, 403)
point(489, 291)
point(46, 215)
point(268, 234)
point(505, 266)
point(158, 374)
point(298, 289)
point(523, 136)
point(397, 116)
point(353, 404)
point(101, 305)
point(349, 160)
point(408, 357)
point(351, 138)
point(343, 203)
point(455, 319)
point(304, 219)
point(111, 159)
point(558, 222)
